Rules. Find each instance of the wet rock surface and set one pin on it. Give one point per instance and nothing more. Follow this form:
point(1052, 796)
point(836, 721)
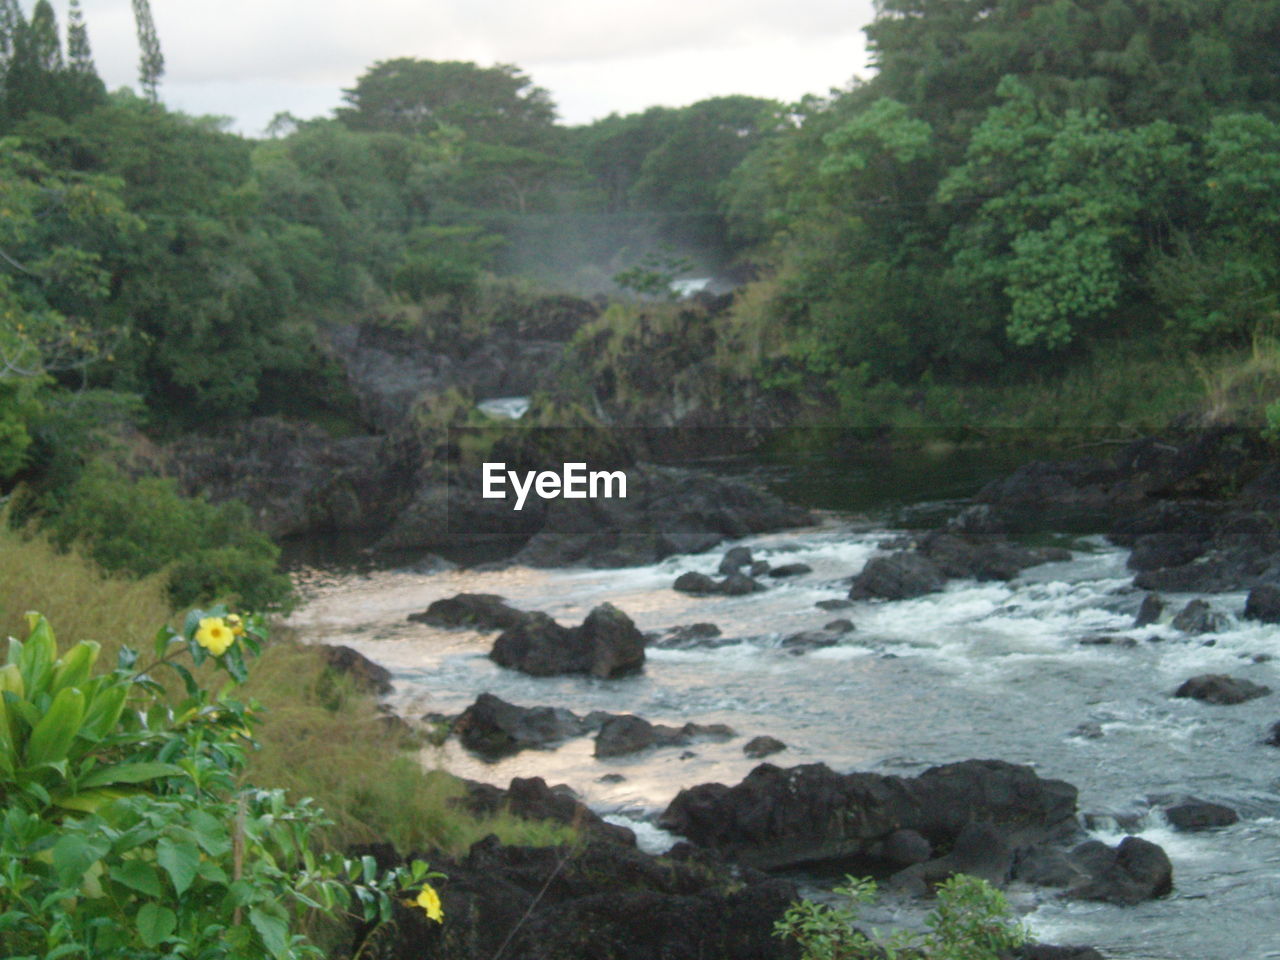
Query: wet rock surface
point(607, 644)
point(778, 818)
point(1221, 689)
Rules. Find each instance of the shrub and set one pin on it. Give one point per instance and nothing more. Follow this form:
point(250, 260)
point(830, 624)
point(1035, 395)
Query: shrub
point(144, 526)
point(971, 922)
point(125, 833)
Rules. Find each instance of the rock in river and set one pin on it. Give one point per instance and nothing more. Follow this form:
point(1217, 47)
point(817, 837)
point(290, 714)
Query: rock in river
point(607, 644)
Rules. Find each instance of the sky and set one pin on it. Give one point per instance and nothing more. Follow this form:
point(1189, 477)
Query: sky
point(251, 59)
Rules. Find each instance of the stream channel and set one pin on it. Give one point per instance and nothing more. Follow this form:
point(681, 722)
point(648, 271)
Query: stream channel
point(980, 670)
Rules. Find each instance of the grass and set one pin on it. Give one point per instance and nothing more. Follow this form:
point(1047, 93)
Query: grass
point(318, 736)
point(78, 598)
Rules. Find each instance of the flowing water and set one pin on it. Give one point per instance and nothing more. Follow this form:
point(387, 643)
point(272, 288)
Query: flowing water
point(980, 670)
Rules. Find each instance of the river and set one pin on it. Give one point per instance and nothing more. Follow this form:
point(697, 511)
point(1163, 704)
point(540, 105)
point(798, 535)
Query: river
point(980, 670)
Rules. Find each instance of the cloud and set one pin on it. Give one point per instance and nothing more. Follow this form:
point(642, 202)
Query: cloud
point(298, 54)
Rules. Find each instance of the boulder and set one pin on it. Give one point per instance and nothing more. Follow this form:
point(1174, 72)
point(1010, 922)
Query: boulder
point(1199, 617)
point(757, 748)
point(984, 558)
point(365, 675)
point(778, 818)
point(811, 640)
point(695, 583)
point(735, 559)
point(1193, 815)
point(898, 576)
point(978, 850)
point(1136, 870)
point(1221, 689)
point(484, 611)
point(607, 644)
point(625, 734)
point(738, 585)
point(790, 570)
point(1263, 604)
point(1149, 611)
point(494, 728)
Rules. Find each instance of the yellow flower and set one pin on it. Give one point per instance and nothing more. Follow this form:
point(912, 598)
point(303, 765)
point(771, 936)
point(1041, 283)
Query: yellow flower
point(429, 901)
point(214, 635)
point(236, 624)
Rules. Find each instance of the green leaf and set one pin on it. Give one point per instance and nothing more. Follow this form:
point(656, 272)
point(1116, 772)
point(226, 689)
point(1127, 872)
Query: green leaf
point(103, 711)
point(234, 662)
point(71, 857)
point(37, 655)
point(73, 669)
point(88, 801)
point(272, 924)
point(210, 832)
point(52, 736)
point(139, 772)
point(179, 860)
point(155, 924)
point(138, 875)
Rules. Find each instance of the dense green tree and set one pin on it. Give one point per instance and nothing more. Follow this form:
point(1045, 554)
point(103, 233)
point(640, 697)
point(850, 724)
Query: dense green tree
point(496, 104)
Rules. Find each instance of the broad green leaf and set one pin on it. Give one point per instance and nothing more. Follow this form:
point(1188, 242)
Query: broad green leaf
point(138, 875)
point(73, 669)
point(88, 801)
point(73, 854)
point(272, 924)
point(155, 924)
point(38, 654)
point(52, 736)
point(210, 832)
point(11, 679)
point(139, 772)
point(103, 712)
point(233, 660)
point(178, 859)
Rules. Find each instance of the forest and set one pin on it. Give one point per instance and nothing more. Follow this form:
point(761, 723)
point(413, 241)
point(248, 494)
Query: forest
point(1024, 195)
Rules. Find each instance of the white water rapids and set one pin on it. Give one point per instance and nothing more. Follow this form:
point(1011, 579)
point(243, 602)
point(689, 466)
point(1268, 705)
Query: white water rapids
point(980, 670)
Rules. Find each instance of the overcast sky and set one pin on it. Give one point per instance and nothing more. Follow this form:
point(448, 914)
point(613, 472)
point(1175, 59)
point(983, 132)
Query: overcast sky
point(250, 59)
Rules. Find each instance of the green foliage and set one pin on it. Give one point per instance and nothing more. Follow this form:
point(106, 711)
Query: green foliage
point(971, 922)
point(125, 832)
point(1061, 205)
point(494, 104)
point(655, 275)
point(145, 526)
point(150, 60)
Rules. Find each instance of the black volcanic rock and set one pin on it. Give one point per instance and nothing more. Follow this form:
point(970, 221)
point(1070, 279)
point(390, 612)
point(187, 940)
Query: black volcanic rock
point(607, 644)
point(1221, 689)
point(898, 576)
point(494, 728)
point(776, 818)
point(485, 611)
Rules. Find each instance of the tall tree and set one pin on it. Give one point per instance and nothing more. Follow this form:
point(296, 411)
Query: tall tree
point(41, 38)
point(79, 55)
point(151, 62)
point(10, 23)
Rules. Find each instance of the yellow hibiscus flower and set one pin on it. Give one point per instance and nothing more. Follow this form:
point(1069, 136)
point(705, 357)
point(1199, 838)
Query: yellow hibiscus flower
point(429, 901)
point(214, 635)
